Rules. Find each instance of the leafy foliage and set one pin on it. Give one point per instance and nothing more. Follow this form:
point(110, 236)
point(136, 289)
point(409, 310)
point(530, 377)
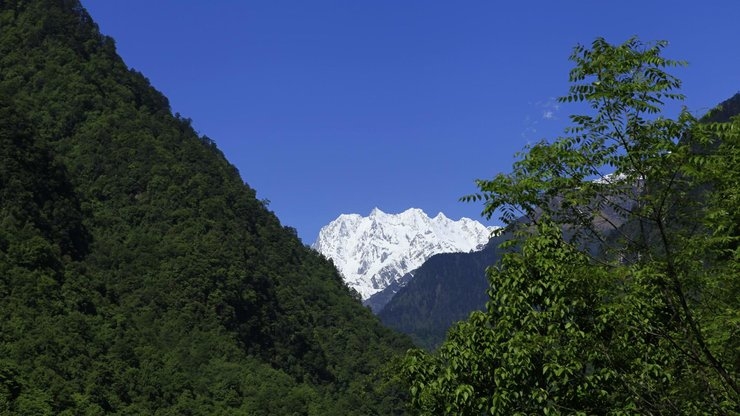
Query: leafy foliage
point(139, 274)
point(623, 298)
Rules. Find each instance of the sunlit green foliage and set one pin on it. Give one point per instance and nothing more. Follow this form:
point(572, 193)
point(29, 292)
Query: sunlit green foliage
point(624, 297)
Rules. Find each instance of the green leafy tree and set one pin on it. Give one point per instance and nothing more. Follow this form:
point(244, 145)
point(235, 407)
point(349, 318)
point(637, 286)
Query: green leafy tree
point(622, 297)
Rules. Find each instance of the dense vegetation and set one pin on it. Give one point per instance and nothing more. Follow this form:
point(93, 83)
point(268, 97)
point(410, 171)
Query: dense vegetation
point(138, 273)
point(624, 296)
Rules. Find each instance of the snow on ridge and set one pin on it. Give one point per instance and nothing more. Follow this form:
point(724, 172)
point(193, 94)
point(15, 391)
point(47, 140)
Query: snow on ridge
point(374, 251)
point(610, 178)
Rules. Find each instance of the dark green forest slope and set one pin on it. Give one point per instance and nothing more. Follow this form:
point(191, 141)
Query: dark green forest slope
point(444, 290)
point(138, 273)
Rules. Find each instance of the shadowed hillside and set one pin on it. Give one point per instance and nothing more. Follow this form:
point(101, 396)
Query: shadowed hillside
point(444, 290)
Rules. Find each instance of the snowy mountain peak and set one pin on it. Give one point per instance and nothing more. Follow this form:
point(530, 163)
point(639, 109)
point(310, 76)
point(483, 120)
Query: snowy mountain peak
point(374, 251)
point(376, 212)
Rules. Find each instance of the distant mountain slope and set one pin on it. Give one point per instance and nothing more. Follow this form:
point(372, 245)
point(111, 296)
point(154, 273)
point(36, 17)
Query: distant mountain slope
point(138, 273)
point(375, 251)
point(725, 110)
point(444, 290)
point(378, 300)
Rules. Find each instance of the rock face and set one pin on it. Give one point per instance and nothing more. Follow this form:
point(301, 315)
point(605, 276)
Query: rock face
point(376, 251)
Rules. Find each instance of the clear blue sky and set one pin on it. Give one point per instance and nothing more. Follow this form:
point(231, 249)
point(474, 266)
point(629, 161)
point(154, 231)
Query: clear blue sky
point(330, 107)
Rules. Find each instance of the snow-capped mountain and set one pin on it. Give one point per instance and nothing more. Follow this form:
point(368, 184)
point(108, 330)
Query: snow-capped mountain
point(374, 251)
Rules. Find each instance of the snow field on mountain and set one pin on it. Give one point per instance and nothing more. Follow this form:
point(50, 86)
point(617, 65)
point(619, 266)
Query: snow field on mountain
point(374, 251)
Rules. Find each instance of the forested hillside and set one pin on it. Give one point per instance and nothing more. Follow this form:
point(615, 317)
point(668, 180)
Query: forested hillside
point(138, 273)
point(444, 290)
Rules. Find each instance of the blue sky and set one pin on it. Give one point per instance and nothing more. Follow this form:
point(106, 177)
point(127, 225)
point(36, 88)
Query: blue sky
point(331, 107)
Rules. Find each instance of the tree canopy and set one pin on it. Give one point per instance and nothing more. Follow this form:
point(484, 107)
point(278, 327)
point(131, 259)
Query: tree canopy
point(623, 296)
